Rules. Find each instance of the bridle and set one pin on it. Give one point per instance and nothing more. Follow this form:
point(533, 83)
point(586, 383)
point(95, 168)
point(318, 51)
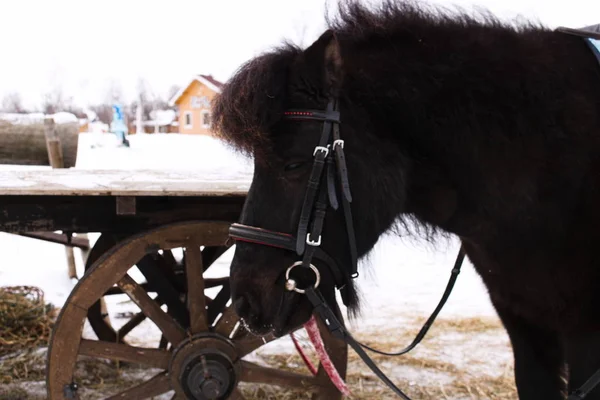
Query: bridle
point(329, 175)
point(319, 194)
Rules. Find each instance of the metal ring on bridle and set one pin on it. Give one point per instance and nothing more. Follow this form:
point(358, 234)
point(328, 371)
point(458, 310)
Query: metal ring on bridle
point(290, 284)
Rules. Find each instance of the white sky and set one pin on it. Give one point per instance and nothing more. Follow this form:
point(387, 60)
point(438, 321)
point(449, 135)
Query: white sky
point(84, 45)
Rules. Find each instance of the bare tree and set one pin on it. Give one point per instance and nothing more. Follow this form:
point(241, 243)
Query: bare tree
point(114, 93)
point(144, 97)
point(55, 101)
point(172, 91)
point(150, 100)
point(13, 103)
point(103, 112)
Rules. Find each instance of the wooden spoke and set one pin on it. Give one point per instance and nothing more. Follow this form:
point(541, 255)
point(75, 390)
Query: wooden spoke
point(250, 343)
point(180, 290)
point(227, 322)
point(130, 325)
point(236, 395)
point(212, 254)
point(122, 352)
point(195, 285)
point(219, 303)
point(161, 281)
point(170, 259)
point(164, 343)
point(213, 282)
point(171, 329)
point(117, 290)
point(158, 385)
point(254, 373)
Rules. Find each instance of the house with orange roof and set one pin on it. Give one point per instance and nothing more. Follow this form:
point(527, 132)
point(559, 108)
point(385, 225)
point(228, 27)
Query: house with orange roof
point(193, 102)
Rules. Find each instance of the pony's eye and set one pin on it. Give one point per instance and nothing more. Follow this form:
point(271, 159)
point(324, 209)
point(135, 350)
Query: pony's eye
point(293, 166)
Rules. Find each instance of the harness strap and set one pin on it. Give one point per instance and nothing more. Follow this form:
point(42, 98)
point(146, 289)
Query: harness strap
point(593, 47)
point(340, 158)
point(339, 331)
point(342, 172)
point(309, 199)
point(320, 155)
point(332, 193)
point(425, 328)
point(252, 234)
point(588, 34)
point(586, 388)
point(314, 239)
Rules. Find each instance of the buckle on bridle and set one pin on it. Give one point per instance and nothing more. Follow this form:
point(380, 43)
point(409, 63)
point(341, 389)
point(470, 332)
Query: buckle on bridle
point(291, 284)
point(315, 243)
point(338, 142)
point(321, 148)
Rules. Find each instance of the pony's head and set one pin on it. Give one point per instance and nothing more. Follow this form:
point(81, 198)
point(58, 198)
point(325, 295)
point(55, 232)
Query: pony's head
point(250, 114)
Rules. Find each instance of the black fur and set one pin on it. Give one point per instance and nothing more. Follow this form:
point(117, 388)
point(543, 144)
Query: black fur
point(484, 129)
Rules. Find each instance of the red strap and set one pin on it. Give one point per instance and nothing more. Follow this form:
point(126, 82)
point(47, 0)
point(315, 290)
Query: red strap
point(309, 364)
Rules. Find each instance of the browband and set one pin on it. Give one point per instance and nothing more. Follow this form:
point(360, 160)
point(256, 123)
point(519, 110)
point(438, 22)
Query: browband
point(317, 115)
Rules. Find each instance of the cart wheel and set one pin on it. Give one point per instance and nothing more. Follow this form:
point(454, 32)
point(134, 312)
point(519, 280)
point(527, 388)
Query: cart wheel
point(163, 275)
point(202, 353)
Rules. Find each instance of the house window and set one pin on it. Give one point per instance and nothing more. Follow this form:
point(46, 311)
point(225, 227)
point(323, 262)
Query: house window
point(187, 119)
point(205, 119)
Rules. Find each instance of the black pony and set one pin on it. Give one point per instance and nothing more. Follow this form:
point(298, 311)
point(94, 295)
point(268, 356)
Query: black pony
point(461, 123)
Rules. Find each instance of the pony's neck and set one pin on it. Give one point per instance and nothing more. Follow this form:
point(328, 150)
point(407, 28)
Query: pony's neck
point(464, 111)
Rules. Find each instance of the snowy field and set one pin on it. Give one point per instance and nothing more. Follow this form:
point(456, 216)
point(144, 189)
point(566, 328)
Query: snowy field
point(401, 281)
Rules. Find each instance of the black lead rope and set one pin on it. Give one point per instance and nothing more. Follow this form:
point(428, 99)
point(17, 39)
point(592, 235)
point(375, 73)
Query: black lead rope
point(586, 388)
point(339, 331)
point(425, 328)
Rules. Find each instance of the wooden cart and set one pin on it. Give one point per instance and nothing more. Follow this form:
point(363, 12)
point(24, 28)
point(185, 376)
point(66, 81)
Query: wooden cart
point(143, 217)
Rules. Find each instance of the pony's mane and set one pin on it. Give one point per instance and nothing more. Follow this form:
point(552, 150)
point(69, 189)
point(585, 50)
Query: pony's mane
point(358, 22)
point(252, 101)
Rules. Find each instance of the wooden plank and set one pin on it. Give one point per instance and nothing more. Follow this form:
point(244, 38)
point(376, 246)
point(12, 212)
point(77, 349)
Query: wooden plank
point(60, 238)
point(55, 154)
point(71, 267)
point(76, 182)
point(126, 205)
point(72, 213)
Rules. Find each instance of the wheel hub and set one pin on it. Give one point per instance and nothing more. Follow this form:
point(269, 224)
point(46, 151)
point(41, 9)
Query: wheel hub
point(202, 368)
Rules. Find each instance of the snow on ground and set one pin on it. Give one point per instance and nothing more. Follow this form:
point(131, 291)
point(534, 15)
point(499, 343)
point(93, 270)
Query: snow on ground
point(401, 281)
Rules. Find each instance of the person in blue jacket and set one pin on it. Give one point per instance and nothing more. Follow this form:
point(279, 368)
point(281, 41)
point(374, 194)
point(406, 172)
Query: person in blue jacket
point(118, 125)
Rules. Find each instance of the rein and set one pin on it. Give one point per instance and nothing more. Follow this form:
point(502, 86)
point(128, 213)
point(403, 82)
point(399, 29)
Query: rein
point(321, 193)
